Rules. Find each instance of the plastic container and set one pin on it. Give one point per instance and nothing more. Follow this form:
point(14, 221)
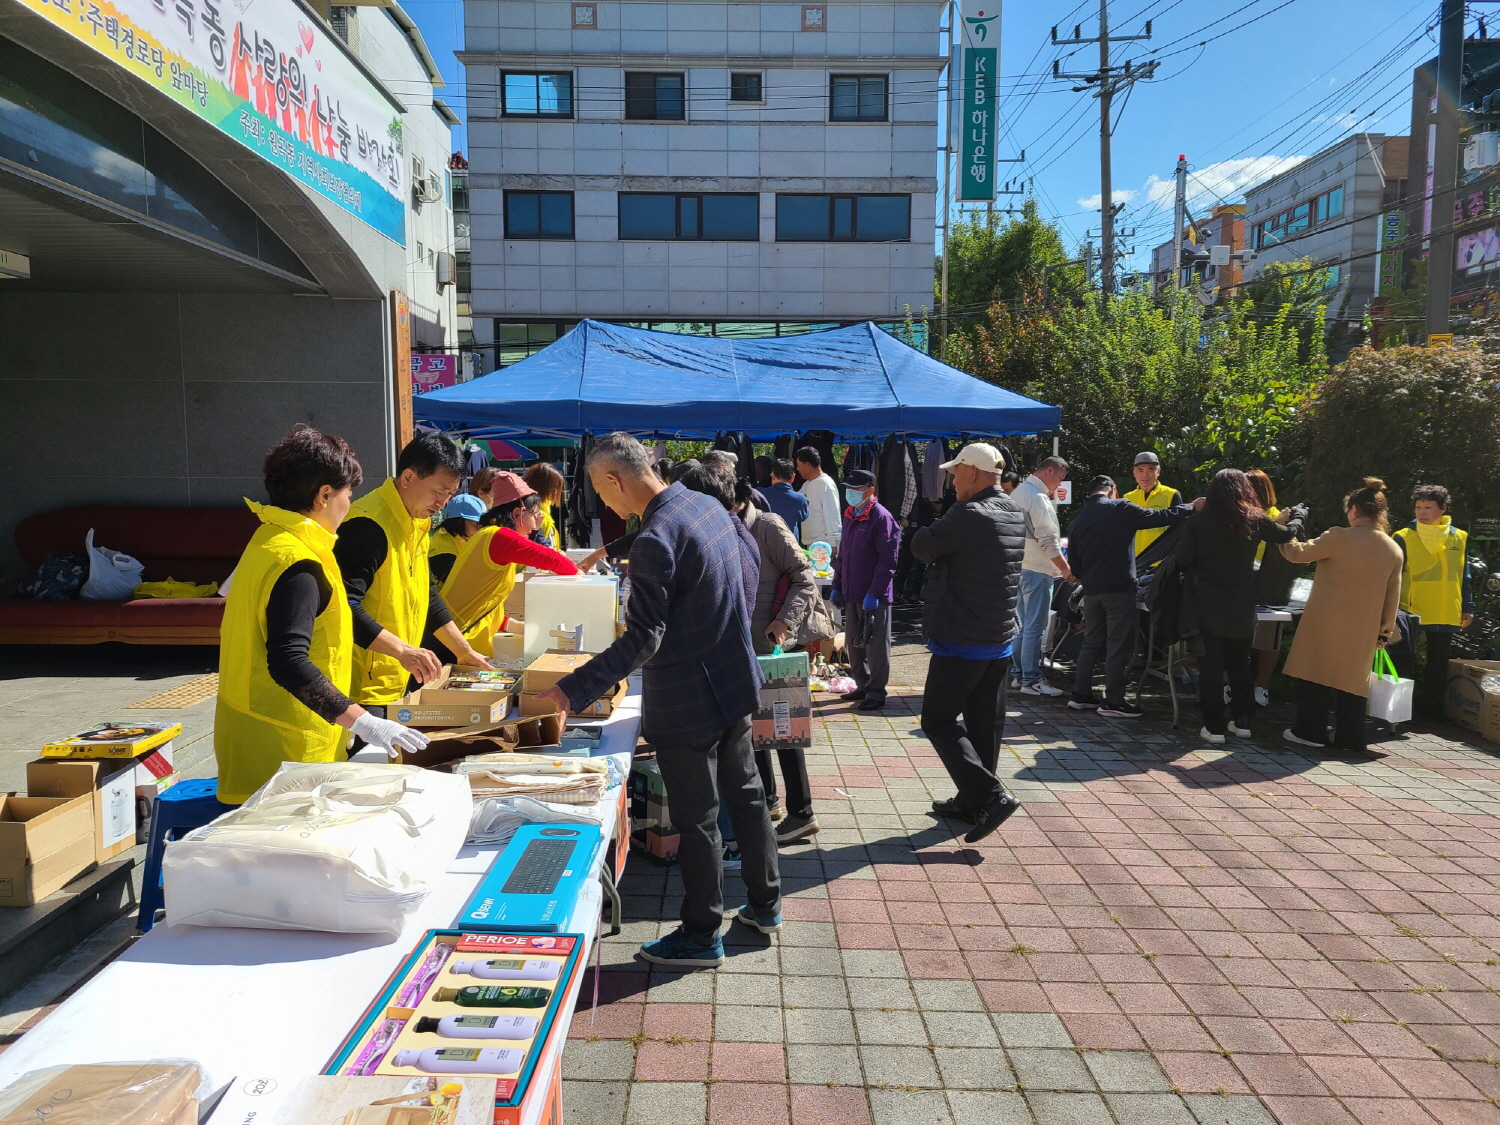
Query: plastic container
point(567, 601)
point(463, 1060)
point(510, 968)
point(480, 1027)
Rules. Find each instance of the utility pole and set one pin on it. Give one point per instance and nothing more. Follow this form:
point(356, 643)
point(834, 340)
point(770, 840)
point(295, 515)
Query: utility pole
point(1444, 157)
point(1105, 83)
point(1179, 218)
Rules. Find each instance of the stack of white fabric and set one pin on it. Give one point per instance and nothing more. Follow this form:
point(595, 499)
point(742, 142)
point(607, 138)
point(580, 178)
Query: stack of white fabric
point(561, 781)
point(496, 819)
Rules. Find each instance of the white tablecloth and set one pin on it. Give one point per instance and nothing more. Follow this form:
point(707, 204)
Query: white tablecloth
point(276, 1003)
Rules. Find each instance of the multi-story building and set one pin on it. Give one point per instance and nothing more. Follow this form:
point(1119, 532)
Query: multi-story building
point(1211, 252)
point(458, 170)
point(1327, 208)
point(729, 167)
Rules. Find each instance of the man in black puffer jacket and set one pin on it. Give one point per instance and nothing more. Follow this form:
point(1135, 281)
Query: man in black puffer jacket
point(973, 556)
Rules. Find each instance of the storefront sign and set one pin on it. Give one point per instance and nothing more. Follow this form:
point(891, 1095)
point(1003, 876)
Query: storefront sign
point(429, 372)
point(1478, 252)
point(976, 122)
point(1392, 233)
point(268, 75)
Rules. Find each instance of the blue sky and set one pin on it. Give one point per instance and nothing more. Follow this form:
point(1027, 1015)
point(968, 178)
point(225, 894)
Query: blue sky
point(1298, 76)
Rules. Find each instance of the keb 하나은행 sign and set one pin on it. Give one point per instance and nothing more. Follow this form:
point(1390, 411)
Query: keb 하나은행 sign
point(976, 123)
point(268, 75)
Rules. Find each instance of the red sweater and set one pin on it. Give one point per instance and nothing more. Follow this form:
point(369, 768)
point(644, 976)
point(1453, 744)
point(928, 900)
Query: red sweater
point(507, 546)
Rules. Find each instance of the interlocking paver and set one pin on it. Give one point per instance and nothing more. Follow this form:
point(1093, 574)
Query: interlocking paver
point(1168, 933)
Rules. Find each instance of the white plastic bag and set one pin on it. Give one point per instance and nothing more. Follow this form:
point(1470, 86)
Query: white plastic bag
point(342, 847)
point(1390, 695)
point(113, 575)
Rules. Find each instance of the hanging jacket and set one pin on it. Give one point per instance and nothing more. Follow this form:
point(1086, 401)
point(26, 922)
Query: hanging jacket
point(257, 723)
point(895, 482)
point(579, 516)
point(398, 595)
point(1436, 586)
point(786, 447)
point(822, 441)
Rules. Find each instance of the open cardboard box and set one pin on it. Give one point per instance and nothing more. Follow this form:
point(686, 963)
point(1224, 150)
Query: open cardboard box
point(1466, 700)
point(45, 842)
point(110, 785)
point(505, 737)
point(599, 709)
point(436, 705)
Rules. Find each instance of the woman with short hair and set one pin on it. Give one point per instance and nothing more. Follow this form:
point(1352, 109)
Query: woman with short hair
point(1435, 583)
point(286, 643)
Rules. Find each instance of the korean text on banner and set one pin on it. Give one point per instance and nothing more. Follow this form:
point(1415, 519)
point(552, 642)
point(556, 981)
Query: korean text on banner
point(267, 75)
point(429, 372)
point(976, 153)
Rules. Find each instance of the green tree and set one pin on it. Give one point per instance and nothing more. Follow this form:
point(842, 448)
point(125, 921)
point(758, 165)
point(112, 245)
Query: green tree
point(991, 259)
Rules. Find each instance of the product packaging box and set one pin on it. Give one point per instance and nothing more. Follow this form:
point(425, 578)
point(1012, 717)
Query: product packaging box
point(600, 708)
point(1473, 696)
point(783, 720)
point(526, 734)
point(533, 885)
point(550, 667)
point(515, 603)
point(333, 1099)
point(45, 842)
point(110, 786)
point(114, 740)
point(438, 705)
point(651, 830)
point(466, 1005)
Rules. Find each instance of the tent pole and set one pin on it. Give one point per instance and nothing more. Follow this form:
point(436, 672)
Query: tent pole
point(953, 16)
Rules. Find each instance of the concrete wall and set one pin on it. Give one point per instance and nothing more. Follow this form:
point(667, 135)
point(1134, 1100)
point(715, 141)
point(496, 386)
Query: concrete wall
point(174, 399)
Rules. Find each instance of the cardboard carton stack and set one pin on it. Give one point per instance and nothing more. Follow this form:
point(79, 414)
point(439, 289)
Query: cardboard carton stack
point(651, 830)
point(1473, 696)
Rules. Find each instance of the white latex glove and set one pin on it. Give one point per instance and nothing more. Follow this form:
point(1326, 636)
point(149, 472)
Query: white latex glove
point(390, 737)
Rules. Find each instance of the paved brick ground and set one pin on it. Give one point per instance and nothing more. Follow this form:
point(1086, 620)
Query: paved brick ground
point(1169, 935)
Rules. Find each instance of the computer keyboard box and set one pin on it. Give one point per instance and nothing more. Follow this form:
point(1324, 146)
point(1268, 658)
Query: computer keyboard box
point(534, 883)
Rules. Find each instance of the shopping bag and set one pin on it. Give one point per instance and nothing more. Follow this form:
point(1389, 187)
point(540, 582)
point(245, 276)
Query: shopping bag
point(113, 575)
point(1390, 695)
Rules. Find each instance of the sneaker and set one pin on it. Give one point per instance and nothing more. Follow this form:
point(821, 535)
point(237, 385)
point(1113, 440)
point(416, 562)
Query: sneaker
point(870, 703)
point(765, 923)
point(953, 810)
point(773, 807)
point(732, 860)
point(1262, 697)
point(1239, 732)
point(1015, 683)
point(681, 952)
point(853, 696)
point(1041, 687)
point(1123, 711)
point(1290, 737)
point(1090, 704)
point(1210, 737)
point(992, 816)
point(796, 828)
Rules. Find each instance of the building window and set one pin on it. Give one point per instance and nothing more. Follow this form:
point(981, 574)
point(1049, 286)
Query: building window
point(517, 340)
point(1335, 275)
point(744, 88)
point(1293, 221)
point(1329, 205)
point(857, 97)
point(655, 97)
point(536, 95)
point(539, 214)
point(714, 218)
point(843, 218)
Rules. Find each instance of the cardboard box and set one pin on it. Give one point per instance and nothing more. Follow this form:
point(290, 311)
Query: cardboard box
point(515, 602)
point(535, 735)
point(436, 705)
point(1469, 701)
point(658, 846)
point(111, 785)
point(783, 720)
point(599, 709)
point(550, 667)
point(45, 842)
point(114, 740)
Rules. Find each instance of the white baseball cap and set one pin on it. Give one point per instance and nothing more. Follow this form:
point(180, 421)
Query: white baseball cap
point(985, 458)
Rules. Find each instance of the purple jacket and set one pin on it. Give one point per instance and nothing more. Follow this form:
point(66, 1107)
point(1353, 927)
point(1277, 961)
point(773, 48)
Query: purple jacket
point(866, 562)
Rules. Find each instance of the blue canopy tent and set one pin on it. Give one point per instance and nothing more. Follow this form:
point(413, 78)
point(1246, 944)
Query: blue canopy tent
point(858, 382)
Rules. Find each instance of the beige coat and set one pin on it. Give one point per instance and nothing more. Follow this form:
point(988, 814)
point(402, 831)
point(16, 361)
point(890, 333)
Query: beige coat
point(779, 554)
point(1353, 605)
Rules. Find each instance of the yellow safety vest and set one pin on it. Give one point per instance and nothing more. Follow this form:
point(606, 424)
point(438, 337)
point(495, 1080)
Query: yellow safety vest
point(549, 528)
point(1260, 548)
point(444, 542)
point(257, 723)
point(476, 589)
point(399, 595)
point(1161, 497)
point(1432, 586)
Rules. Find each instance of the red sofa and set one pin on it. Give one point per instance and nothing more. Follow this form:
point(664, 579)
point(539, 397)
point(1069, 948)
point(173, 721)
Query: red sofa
point(189, 544)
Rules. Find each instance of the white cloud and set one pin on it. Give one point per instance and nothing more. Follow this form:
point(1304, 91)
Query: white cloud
point(1120, 195)
point(1225, 180)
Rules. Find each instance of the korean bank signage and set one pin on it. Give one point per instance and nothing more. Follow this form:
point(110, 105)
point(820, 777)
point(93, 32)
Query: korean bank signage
point(267, 74)
point(977, 101)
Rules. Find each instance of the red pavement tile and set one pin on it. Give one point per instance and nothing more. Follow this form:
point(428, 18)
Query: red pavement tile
point(1214, 1000)
point(1279, 1074)
point(999, 965)
point(928, 936)
point(1015, 996)
point(749, 1062)
point(1285, 1003)
point(608, 1021)
point(1068, 998)
point(806, 910)
point(1252, 1035)
point(694, 1021)
point(862, 936)
point(1173, 1033)
point(1387, 1111)
point(1354, 1077)
point(1316, 1037)
point(1103, 1032)
point(1148, 999)
point(737, 1103)
point(854, 889)
point(859, 910)
point(668, 1062)
point(934, 965)
point(1102, 942)
point(1125, 968)
point(1201, 1072)
point(825, 1105)
point(905, 891)
point(1430, 1078)
point(1386, 1041)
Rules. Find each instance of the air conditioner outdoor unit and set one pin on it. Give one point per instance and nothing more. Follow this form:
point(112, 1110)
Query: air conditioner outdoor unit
point(1482, 151)
point(428, 189)
point(446, 272)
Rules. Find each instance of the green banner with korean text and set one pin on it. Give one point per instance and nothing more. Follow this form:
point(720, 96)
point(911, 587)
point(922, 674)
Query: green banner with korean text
point(976, 123)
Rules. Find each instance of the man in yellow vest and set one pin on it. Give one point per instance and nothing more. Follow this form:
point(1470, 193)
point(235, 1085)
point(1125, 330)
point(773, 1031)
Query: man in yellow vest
point(1435, 582)
point(382, 552)
point(1149, 492)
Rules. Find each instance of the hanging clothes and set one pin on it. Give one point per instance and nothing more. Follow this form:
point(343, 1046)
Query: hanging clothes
point(935, 455)
point(745, 469)
point(579, 510)
point(786, 446)
point(822, 441)
point(478, 459)
point(895, 478)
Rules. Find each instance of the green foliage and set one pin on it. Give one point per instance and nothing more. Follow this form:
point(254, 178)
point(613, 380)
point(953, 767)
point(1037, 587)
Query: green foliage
point(994, 260)
point(1204, 388)
point(1298, 288)
point(1409, 416)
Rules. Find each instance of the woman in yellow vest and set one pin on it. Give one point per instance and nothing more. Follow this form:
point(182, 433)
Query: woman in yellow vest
point(1149, 492)
point(548, 483)
point(1435, 582)
point(485, 572)
point(460, 521)
point(286, 641)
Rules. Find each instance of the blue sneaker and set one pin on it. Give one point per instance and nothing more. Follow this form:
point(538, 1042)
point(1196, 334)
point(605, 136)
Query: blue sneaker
point(681, 952)
point(766, 923)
